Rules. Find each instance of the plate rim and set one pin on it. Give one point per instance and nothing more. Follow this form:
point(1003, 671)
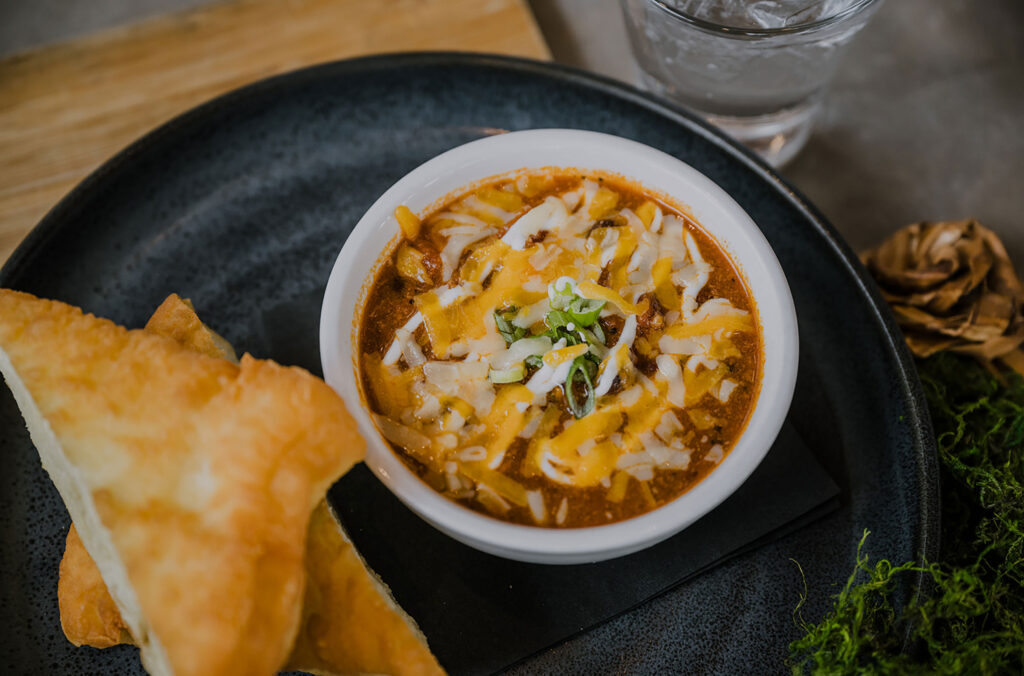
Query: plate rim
point(927, 539)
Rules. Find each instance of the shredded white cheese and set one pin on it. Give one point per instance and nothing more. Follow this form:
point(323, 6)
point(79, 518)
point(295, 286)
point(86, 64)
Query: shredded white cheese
point(519, 351)
point(453, 422)
point(430, 408)
point(396, 348)
point(473, 454)
point(572, 199)
point(549, 215)
point(627, 460)
point(684, 346)
point(724, 390)
point(634, 222)
point(478, 205)
point(586, 447)
point(629, 397)
point(543, 257)
point(535, 500)
point(461, 217)
point(535, 284)
point(717, 307)
point(668, 426)
point(411, 351)
point(693, 250)
point(641, 472)
point(676, 459)
point(617, 358)
point(547, 378)
point(456, 245)
point(671, 243)
point(657, 220)
point(609, 246)
point(533, 419)
point(698, 360)
point(563, 512)
point(531, 314)
point(464, 379)
point(589, 190)
point(670, 373)
point(547, 462)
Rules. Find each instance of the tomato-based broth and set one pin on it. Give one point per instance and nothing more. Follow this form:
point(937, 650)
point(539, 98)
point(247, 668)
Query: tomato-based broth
point(559, 349)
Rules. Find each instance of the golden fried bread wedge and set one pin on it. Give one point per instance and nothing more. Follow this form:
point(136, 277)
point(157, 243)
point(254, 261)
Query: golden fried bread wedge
point(88, 615)
point(350, 624)
point(190, 480)
point(176, 319)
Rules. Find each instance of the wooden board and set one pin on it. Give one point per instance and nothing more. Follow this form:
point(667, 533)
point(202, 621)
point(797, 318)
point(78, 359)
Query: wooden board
point(65, 109)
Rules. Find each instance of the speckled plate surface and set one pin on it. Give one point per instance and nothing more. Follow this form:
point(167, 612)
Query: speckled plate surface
point(243, 203)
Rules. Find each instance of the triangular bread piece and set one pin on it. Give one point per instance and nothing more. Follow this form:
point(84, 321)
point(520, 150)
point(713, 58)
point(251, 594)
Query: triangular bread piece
point(88, 614)
point(350, 624)
point(190, 479)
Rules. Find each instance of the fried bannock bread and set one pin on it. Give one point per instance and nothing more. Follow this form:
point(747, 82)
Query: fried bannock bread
point(350, 624)
point(176, 319)
point(88, 614)
point(191, 480)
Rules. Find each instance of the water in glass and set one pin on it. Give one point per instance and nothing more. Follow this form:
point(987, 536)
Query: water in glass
point(758, 69)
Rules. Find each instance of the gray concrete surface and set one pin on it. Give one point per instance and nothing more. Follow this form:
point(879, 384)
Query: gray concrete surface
point(924, 120)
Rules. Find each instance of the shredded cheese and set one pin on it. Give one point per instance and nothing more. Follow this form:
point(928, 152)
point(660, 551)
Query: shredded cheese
point(456, 245)
point(548, 378)
point(408, 222)
point(550, 215)
point(555, 358)
point(597, 292)
point(535, 500)
point(446, 412)
point(670, 373)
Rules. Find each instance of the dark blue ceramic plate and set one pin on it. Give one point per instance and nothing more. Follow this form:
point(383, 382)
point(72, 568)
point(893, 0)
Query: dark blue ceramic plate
point(243, 204)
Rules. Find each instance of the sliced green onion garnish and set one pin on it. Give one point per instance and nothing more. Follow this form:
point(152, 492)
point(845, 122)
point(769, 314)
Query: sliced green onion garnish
point(581, 366)
point(556, 319)
point(560, 299)
point(511, 375)
point(503, 321)
point(585, 311)
point(590, 336)
point(561, 333)
point(534, 361)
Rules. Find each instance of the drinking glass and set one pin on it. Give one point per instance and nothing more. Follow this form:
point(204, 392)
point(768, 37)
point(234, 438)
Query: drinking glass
point(757, 69)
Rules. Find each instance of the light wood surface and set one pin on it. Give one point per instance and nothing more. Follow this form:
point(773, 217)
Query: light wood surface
point(65, 109)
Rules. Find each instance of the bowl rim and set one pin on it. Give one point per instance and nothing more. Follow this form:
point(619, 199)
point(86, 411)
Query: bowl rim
point(536, 543)
point(727, 31)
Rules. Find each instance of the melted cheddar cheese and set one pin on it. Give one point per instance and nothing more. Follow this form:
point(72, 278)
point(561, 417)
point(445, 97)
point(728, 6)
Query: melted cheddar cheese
point(559, 350)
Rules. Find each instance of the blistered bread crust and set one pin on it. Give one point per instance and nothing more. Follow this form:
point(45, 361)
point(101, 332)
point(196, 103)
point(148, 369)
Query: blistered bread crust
point(350, 624)
point(88, 615)
point(176, 319)
point(191, 480)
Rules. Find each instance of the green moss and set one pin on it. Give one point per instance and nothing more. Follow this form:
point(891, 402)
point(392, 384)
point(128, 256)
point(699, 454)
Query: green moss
point(973, 622)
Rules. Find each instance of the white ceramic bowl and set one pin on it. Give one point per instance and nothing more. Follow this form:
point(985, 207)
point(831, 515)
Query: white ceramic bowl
point(708, 204)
